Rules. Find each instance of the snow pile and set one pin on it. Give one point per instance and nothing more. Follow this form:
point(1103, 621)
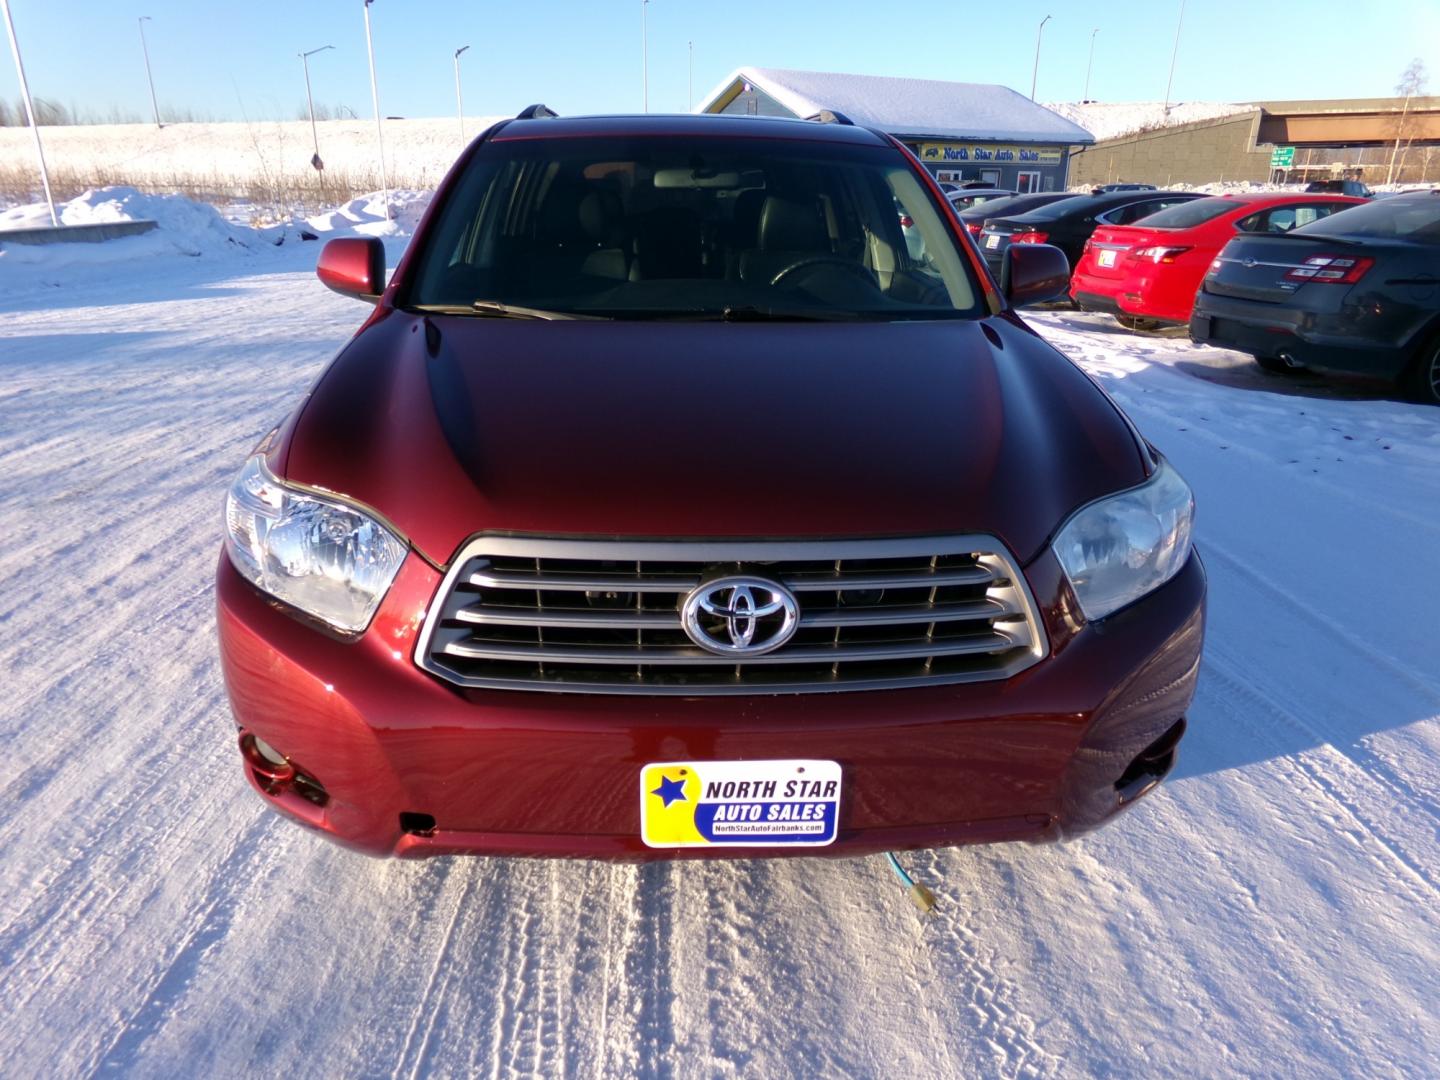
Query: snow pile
point(188, 228)
point(365, 216)
point(183, 226)
point(1110, 120)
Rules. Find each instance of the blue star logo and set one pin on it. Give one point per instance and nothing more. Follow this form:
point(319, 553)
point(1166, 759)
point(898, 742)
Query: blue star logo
point(670, 790)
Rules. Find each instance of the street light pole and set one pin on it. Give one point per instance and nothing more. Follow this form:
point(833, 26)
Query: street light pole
point(459, 102)
point(1086, 96)
point(375, 102)
point(310, 103)
point(644, 58)
point(1173, 54)
point(145, 49)
point(30, 112)
point(1035, 75)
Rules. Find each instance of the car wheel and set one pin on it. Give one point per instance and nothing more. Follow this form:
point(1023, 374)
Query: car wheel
point(1275, 365)
point(1424, 375)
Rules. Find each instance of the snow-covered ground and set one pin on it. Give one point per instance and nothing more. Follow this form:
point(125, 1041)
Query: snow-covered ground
point(1271, 911)
point(418, 153)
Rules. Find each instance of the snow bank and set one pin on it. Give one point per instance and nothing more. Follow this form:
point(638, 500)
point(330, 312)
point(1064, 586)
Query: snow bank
point(185, 227)
point(365, 216)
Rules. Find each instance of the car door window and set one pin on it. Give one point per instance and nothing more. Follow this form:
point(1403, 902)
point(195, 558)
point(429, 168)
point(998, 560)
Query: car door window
point(1280, 219)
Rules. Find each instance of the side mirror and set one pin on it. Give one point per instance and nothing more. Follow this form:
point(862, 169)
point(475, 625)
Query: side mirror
point(353, 266)
point(1031, 274)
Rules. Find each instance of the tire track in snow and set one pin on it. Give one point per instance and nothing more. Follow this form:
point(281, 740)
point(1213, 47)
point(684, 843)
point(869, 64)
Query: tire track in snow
point(989, 998)
point(72, 892)
point(1425, 684)
point(408, 1063)
point(1242, 700)
point(245, 868)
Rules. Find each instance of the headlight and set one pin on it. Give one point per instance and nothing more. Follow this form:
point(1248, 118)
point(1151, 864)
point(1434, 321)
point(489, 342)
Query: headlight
point(1117, 549)
point(319, 555)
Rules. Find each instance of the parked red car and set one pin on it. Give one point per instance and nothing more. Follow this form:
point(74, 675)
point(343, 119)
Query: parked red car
point(1148, 273)
point(667, 506)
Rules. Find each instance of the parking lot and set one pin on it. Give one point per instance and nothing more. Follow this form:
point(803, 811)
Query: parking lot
point(1270, 911)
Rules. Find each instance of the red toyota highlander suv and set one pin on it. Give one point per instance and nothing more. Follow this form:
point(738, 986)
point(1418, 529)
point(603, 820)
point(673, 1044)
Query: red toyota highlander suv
point(668, 505)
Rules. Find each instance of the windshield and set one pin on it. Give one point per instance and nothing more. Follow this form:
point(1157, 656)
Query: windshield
point(1013, 204)
point(1414, 218)
point(674, 227)
point(1079, 204)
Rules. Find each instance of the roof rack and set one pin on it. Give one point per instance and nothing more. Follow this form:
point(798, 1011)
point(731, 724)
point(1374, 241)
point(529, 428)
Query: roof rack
point(830, 116)
point(537, 112)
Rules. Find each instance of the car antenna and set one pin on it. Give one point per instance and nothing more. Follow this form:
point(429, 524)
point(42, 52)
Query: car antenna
point(537, 112)
point(920, 896)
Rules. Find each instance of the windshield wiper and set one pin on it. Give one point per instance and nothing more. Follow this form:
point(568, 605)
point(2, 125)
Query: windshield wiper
point(751, 313)
point(494, 309)
point(501, 310)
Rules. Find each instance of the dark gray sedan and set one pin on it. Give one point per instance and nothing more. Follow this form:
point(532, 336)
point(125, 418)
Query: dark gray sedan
point(1355, 292)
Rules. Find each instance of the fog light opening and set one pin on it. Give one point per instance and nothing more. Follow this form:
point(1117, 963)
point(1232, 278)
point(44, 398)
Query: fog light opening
point(266, 760)
point(1150, 766)
point(417, 824)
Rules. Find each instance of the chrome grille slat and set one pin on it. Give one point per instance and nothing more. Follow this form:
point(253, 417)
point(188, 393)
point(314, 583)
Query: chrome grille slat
point(629, 654)
point(603, 617)
point(920, 579)
point(564, 619)
point(978, 609)
point(582, 583)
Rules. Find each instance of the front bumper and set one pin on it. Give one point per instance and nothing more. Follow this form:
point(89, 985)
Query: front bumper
point(412, 766)
point(1319, 340)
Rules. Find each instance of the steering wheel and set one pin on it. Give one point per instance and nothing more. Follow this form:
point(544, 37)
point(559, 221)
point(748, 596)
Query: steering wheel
point(812, 261)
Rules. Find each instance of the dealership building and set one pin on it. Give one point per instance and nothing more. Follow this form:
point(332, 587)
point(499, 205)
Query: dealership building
point(961, 131)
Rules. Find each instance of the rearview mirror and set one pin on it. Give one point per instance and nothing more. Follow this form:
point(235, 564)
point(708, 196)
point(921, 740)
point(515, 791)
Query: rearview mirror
point(353, 266)
point(1033, 273)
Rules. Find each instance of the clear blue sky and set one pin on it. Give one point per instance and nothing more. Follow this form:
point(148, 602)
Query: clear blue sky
point(234, 59)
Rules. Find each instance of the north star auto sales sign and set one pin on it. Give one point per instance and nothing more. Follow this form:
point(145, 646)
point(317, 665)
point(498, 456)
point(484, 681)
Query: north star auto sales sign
point(1028, 155)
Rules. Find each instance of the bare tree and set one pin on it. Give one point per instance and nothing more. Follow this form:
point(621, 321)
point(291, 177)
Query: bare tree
point(1412, 83)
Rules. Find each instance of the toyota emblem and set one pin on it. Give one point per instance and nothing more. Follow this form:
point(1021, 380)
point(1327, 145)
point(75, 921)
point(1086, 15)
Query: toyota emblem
point(740, 616)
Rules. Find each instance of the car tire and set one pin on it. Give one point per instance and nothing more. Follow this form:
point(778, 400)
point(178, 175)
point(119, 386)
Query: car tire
point(1275, 365)
point(1423, 378)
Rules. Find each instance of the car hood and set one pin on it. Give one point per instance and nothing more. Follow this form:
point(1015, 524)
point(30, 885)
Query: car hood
point(451, 426)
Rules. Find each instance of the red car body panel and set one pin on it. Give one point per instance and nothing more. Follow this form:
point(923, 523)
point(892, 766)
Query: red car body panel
point(1166, 290)
point(502, 772)
point(477, 401)
point(450, 427)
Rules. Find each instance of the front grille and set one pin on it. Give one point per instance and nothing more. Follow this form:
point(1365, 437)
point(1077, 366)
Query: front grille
point(604, 617)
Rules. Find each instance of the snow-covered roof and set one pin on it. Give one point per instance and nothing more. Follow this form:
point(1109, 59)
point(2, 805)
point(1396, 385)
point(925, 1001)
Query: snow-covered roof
point(915, 107)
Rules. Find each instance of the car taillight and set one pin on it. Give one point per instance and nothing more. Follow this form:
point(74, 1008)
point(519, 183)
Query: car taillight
point(1160, 254)
point(1332, 269)
point(974, 227)
point(906, 221)
point(1030, 238)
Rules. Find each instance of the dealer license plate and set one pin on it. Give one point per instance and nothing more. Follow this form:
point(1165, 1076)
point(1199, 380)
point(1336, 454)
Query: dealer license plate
point(739, 803)
point(992, 241)
point(1107, 258)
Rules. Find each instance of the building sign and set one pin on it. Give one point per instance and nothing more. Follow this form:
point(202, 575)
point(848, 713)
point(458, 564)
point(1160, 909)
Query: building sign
point(990, 153)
